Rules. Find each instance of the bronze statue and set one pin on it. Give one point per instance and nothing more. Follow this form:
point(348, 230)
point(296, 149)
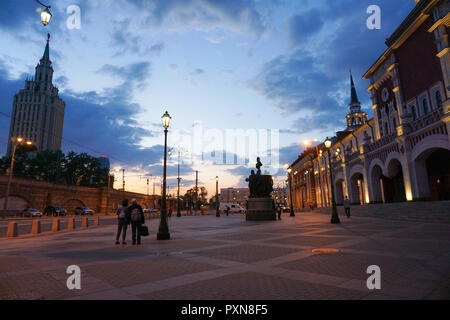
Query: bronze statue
point(258, 166)
point(259, 185)
point(252, 180)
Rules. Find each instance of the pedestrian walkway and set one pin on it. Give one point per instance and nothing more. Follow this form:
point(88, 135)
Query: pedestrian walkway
point(229, 258)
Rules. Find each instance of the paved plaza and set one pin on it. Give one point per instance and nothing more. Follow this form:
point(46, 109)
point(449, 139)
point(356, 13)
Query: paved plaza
point(228, 258)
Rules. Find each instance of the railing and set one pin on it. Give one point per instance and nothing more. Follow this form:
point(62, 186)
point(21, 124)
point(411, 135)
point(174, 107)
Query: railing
point(382, 142)
point(352, 156)
point(427, 120)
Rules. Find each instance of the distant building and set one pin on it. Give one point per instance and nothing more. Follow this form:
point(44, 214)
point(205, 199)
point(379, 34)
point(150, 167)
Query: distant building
point(38, 112)
point(104, 163)
point(280, 195)
point(403, 152)
point(234, 195)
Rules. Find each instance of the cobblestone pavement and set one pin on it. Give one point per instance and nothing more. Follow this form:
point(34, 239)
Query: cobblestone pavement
point(229, 258)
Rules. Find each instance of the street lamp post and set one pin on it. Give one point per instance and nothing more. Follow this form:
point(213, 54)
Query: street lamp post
point(178, 191)
point(163, 232)
point(290, 192)
point(334, 213)
point(46, 16)
point(17, 142)
point(217, 197)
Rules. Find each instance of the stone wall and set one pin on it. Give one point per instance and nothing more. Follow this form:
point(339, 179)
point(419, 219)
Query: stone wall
point(38, 194)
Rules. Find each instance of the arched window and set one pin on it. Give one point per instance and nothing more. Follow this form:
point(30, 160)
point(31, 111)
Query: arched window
point(414, 112)
point(426, 110)
point(438, 99)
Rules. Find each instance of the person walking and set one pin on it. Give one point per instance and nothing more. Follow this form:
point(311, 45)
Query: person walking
point(122, 222)
point(228, 210)
point(137, 220)
point(347, 206)
point(279, 212)
point(170, 212)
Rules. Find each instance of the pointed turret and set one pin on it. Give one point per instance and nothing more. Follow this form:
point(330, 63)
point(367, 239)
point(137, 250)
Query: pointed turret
point(44, 70)
point(354, 95)
point(47, 49)
point(356, 117)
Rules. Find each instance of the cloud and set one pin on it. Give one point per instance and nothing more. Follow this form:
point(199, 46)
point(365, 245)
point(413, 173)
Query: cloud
point(172, 169)
point(313, 80)
point(94, 123)
point(14, 15)
point(204, 14)
point(240, 171)
point(133, 74)
point(197, 72)
point(303, 26)
point(157, 48)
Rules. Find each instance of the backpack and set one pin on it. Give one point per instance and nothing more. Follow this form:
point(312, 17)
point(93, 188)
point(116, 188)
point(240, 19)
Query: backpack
point(122, 212)
point(135, 215)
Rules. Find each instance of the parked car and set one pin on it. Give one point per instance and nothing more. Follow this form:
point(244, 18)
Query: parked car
point(84, 211)
point(286, 209)
point(54, 211)
point(149, 210)
point(33, 213)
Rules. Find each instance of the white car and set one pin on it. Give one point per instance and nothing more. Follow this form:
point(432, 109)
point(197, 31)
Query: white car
point(234, 208)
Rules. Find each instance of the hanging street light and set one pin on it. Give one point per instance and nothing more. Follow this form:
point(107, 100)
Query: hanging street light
point(46, 15)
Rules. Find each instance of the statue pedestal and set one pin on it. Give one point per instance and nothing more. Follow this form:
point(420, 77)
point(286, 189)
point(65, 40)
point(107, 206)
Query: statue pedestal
point(260, 209)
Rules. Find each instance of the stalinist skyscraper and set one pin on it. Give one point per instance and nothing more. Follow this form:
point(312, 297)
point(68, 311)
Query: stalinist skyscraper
point(38, 112)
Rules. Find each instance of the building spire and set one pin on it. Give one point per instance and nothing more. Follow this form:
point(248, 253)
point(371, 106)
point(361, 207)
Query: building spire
point(354, 95)
point(47, 49)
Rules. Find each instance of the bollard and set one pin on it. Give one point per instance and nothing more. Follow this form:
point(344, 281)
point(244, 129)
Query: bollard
point(84, 223)
point(71, 224)
point(12, 230)
point(36, 227)
point(56, 226)
point(96, 221)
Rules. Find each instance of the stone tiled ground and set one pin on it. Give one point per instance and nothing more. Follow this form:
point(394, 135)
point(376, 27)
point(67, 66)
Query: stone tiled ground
point(228, 258)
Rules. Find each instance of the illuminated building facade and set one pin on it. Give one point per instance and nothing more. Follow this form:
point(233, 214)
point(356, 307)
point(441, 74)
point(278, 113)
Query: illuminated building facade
point(403, 152)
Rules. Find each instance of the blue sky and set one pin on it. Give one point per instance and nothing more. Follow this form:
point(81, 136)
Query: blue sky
point(259, 64)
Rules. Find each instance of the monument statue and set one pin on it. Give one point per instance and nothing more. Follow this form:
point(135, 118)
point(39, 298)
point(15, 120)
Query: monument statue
point(260, 203)
point(259, 185)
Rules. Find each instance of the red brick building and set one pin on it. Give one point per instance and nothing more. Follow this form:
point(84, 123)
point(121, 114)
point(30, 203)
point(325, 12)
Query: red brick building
point(403, 152)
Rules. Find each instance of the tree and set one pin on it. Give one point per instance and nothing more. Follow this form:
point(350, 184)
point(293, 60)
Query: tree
point(53, 166)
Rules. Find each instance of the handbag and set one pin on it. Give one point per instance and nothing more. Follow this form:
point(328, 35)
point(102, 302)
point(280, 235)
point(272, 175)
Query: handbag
point(143, 230)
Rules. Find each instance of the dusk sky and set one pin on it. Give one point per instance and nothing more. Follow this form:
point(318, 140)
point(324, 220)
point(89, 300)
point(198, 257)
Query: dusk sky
point(212, 64)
